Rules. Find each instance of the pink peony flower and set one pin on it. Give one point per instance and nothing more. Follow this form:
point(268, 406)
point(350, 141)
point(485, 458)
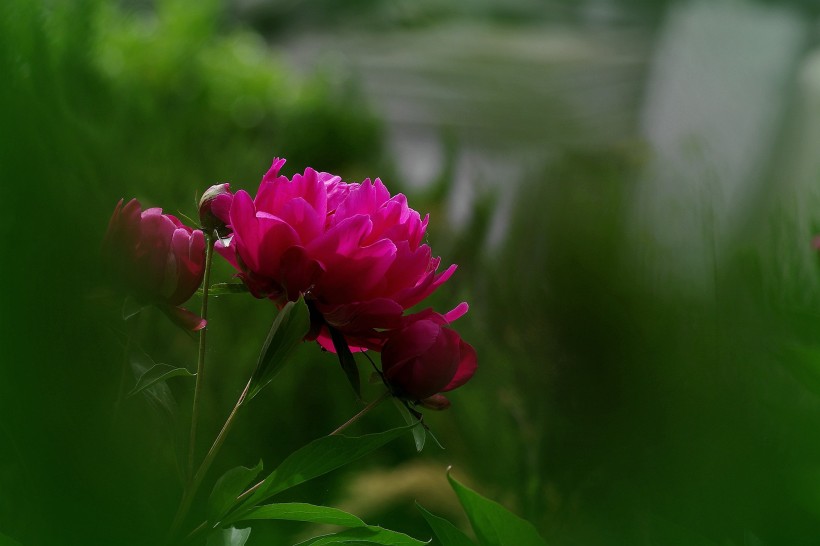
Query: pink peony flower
point(426, 358)
point(157, 259)
point(353, 250)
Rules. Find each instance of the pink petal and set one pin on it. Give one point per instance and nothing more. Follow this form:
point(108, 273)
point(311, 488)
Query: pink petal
point(408, 269)
point(355, 346)
point(304, 219)
point(275, 237)
point(275, 167)
point(342, 238)
point(189, 254)
point(414, 295)
point(457, 312)
point(152, 251)
point(224, 248)
point(298, 272)
point(246, 236)
point(421, 359)
point(467, 366)
point(412, 341)
point(183, 318)
point(364, 316)
point(356, 275)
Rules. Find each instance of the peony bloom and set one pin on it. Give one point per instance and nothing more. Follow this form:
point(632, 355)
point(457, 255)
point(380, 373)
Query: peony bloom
point(353, 250)
point(156, 258)
point(215, 208)
point(426, 358)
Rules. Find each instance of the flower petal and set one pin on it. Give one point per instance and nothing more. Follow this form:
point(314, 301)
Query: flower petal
point(183, 318)
point(467, 366)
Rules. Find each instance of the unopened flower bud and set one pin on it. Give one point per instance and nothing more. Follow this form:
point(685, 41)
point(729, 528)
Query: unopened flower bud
point(156, 259)
point(214, 209)
point(426, 358)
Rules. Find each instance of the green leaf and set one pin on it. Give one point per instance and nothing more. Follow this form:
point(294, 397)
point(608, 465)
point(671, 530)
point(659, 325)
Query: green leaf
point(493, 524)
point(346, 360)
point(228, 487)
point(365, 535)
point(316, 459)
point(348, 541)
point(297, 511)
point(158, 395)
point(225, 288)
point(288, 330)
point(160, 399)
point(446, 533)
point(419, 433)
point(229, 537)
point(157, 373)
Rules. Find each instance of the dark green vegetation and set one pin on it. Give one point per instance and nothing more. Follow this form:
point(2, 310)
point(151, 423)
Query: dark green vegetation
point(612, 405)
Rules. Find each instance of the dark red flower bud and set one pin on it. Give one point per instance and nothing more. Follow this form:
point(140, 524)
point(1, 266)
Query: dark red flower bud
point(426, 358)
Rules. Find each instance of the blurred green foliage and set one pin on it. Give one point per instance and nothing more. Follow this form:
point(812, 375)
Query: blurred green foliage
point(100, 102)
point(609, 407)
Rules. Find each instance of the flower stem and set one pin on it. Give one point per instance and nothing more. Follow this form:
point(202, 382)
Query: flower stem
point(200, 363)
point(349, 422)
point(253, 488)
point(362, 413)
point(196, 481)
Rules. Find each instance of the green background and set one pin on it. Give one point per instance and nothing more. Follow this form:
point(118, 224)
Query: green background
point(613, 404)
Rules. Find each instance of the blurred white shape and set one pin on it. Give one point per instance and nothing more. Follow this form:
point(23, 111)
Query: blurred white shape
point(419, 155)
point(802, 160)
point(715, 101)
point(797, 204)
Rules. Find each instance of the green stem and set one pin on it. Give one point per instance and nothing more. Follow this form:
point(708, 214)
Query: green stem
point(347, 423)
point(253, 488)
point(196, 481)
point(362, 413)
point(199, 528)
point(200, 363)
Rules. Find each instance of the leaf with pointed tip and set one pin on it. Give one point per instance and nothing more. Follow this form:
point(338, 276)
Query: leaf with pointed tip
point(309, 513)
point(159, 372)
point(346, 360)
point(158, 394)
point(370, 534)
point(287, 332)
point(229, 537)
point(419, 433)
point(159, 398)
point(228, 487)
point(316, 459)
point(493, 524)
point(446, 533)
